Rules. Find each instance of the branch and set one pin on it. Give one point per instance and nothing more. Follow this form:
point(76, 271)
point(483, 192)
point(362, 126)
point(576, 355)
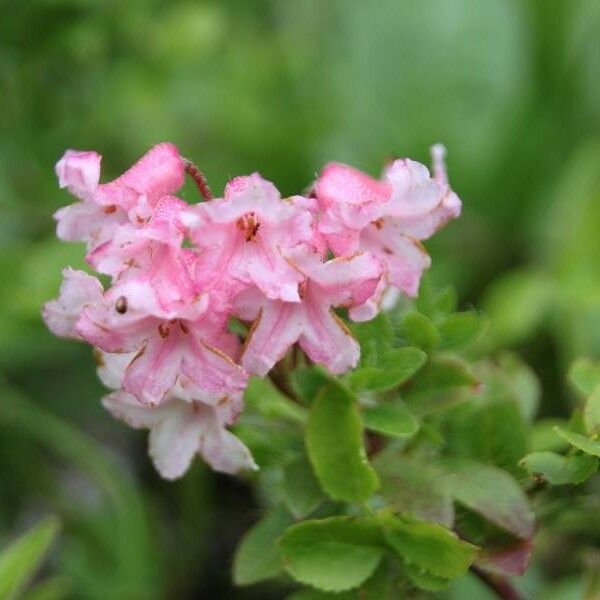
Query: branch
point(198, 176)
point(501, 586)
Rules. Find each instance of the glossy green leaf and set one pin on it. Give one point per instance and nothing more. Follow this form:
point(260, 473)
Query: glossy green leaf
point(425, 580)
point(584, 374)
point(302, 493)
point(492, 493)
point(263, 397)
point(459, 329)
point(375, 338)
point(428, 546)
point(442, 382)
point(560, 470)
point(418, 330)
point(393, 420)
point(396, 367)
point(379, 586)
point(258, 556)
point(588, 445)
point(334, 439)
point(489, 431)
point(20, 560)
point(543, 436)
point(445, 302)
point(333, 555)
point(308, 381)
point(413, 486)
point(591, 412)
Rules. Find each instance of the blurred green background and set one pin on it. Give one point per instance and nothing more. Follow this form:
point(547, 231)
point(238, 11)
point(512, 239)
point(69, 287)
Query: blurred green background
point(511, 87)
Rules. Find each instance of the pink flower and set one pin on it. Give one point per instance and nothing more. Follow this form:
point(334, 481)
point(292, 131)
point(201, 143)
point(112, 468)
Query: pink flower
point(184, 339)
point(243, 239)
point(104, 207)
point(77, 291)
point(388, 217)
point(179, 273)
point(181, 427)
point(144, 249)
point(312, 323)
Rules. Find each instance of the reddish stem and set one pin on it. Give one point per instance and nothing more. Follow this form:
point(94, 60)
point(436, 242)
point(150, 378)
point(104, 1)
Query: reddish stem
point(501, 586)
point(198, 176)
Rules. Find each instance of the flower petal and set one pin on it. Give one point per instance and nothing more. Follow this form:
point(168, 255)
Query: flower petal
point(77, 290)
point(347, 281)
point(405, 257)
point(126, 408)
point(158, 173)
point(224, 452)
point(79, 172)
point(368, 310)
point(175, 440)
point(424, 226)
point(277, 327)
point(342, 184)
point(154, 370)
point(415, 193)
point(214, 374)
point(327, 340)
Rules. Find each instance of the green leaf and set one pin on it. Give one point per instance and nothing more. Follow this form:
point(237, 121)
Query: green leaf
point(439, 384)
point(489, 431)
point(543, 436)
point(393, 420)
point(492, 493)
point(20, 560)
point(425, 580)
point(378, 587)
point(308, 381)
point(263, 397)
point(419, 330)
point(560, 470)
point(258, 556)
point(334, 439)
point(301, 491)
point(445, 302)
point(396, 367)
point(586, 444)
point(591, 412)
point(459, 329)
point(333, 555)
point(435, 303)
point(428, 546)
point(584, 374)
point(413, 486)
point(375, 338)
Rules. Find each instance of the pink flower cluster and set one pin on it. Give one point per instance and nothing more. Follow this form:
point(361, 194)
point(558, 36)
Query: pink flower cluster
point(179, 273)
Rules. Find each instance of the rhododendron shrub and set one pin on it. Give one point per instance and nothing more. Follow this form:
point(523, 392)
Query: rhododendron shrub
point(180, 273)
point(295, 342)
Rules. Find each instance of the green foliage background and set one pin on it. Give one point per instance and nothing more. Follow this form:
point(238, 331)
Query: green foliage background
point(511, 87)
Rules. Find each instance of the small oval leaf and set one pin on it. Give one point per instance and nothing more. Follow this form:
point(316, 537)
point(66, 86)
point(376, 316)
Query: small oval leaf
point(334, 440)
point(560, 470)
point(333, 555)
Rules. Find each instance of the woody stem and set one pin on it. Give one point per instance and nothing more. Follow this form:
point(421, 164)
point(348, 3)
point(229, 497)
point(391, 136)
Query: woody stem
point(501, 586)
point(198, 176)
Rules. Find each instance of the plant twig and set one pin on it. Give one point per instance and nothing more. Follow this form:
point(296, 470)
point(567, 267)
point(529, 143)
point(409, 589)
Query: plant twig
point(501, 586)
point(198, 176)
